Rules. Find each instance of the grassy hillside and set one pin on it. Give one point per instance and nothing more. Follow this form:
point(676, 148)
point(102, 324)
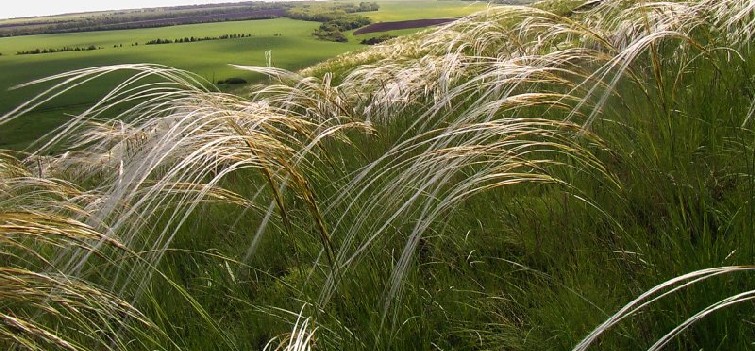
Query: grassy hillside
point(566, 176)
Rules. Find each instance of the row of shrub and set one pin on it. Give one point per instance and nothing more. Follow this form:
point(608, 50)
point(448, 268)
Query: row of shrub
point(195, 39)
point(63, 49)
point(377, 40)
point(121, 45)
point(329, 11)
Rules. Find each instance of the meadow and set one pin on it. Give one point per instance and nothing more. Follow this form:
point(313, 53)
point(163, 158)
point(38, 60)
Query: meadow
point(291, 42)
point(551, 177)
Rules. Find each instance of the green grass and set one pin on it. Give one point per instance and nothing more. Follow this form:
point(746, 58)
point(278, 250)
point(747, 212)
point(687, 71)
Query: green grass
point(450, 190)
point(407, 10)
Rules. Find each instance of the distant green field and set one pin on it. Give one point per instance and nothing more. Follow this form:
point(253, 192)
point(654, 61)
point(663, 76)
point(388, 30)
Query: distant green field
point(291, 42)
point(405, 10)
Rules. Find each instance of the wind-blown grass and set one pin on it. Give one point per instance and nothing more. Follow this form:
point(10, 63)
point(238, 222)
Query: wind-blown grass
point(43, 307)
point(505, 181)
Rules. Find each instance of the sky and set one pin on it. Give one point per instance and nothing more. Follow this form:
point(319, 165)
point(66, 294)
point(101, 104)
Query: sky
point(29, 8)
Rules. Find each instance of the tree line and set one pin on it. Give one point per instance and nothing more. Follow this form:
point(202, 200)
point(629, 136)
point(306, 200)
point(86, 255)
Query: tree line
point(324, 12)
point(191, 39)
point(63, 49)
point(162, 17)
point(195, 39)
point(145, 18)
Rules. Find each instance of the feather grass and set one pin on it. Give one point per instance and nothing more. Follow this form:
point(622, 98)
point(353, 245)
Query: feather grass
point(370, 166)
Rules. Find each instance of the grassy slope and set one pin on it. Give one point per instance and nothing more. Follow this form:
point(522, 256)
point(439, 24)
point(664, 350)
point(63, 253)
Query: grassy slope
point(657, 184)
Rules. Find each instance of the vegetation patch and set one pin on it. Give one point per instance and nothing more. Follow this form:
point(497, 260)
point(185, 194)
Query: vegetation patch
point(397, 25)
point(336, 18)
point(328, 11)
point(63, 49)
point(377, 40)
point(193, 39)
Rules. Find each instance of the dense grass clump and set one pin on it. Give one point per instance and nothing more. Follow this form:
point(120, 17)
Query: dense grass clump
point(523, 178)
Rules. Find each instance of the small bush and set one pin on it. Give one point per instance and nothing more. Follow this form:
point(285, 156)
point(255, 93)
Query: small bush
point(377, 40)
point(234, 80)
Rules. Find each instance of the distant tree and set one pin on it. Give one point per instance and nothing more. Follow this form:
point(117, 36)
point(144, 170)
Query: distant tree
point(368, 6)
point(330, 33)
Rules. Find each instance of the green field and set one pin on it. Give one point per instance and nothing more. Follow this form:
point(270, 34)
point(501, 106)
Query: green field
point(407, 10)
point(291, 42)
